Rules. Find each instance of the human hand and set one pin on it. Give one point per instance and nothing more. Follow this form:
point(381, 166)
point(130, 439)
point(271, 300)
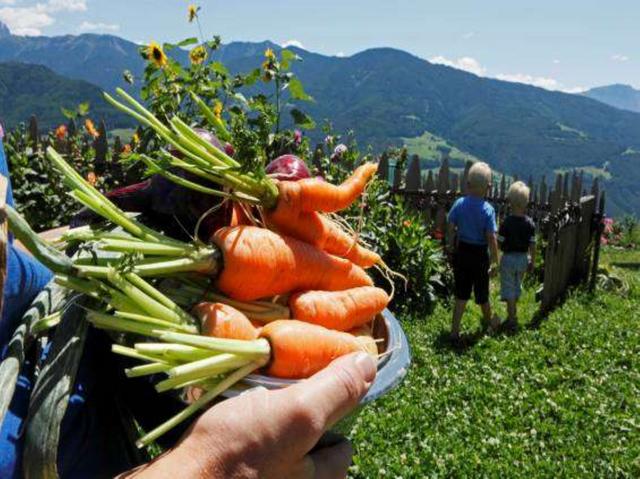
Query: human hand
point(269, 434)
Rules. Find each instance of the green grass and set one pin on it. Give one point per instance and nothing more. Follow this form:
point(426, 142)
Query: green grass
point(558, 400)
point(429, 147)
point(592, 171)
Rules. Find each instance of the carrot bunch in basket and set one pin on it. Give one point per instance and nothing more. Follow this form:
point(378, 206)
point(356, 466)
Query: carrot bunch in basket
point(285, 296)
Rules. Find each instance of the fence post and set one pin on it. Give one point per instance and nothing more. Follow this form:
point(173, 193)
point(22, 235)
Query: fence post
point(33, 132)
point(397, 175)
point(598, 227)
point(383, 167)
point(101, 146)
point(465, 177)
point(413, 181)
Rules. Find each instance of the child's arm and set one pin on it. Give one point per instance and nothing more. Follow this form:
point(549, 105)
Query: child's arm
point(493, 250)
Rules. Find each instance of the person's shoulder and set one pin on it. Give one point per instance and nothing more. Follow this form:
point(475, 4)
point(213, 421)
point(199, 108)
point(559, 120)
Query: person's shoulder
point(488, 207)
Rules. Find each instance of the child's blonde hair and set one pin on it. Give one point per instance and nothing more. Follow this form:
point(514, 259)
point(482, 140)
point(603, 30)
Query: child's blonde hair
point(518, 195)
point(479, 177)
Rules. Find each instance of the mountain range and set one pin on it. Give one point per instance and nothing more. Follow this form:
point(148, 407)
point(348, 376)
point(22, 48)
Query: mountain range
point(624, 97)
point(389, 97)
point(27, 89)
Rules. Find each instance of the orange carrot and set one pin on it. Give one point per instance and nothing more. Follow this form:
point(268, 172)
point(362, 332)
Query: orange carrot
point(341, 310)
point(320, 231)
point(313, 194)
point(299, 350)
point(259, 263)
point(223, 321)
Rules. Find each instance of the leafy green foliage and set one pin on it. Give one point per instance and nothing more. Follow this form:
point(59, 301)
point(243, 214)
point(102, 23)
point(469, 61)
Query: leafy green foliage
point(558, 400)
point(389, 226)
point(38, 191)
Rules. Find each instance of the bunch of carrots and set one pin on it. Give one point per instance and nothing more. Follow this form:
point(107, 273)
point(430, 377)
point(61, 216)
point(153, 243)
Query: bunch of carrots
point(282, 289)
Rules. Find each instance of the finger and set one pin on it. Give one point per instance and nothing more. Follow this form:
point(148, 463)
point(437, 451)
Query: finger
point(337, 389)
point(332, 462)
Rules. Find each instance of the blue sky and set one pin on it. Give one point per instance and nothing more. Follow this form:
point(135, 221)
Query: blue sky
point(562, 44)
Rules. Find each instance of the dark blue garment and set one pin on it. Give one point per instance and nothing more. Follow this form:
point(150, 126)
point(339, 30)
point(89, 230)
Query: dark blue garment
point(474, 218)
point(95, 436)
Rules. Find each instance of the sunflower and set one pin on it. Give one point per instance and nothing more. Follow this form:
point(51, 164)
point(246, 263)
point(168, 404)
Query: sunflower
point(269, 54)
point(91, 128)
point(217, 109)
point(61, 132)
point(193, 12)
point(135, 139)
point(198, 55)
point(156, 54)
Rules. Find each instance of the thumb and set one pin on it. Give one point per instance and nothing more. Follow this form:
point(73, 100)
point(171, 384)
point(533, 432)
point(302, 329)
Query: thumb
point(337, 389)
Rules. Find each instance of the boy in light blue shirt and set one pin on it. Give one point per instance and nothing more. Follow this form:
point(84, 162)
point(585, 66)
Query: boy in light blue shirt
point(473, 245)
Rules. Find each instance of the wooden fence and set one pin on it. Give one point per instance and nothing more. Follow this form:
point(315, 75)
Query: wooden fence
point(567, 216)
point(105, 154)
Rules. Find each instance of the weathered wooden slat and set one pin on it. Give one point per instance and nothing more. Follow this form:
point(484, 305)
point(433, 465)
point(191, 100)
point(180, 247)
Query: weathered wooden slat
point(543, 190)
point(397, 175)
point(565, 188)
point(443, 177)
point(383, 167)
point(595, 189)
point(465, 177)
point(454, 182)
point(429, 185)
point(33, 132)
point(413, 182)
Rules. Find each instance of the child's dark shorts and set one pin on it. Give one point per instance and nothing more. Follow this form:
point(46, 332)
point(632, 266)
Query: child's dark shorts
point(471, 272)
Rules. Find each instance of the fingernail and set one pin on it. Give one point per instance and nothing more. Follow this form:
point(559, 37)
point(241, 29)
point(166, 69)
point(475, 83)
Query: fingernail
point(366, 365)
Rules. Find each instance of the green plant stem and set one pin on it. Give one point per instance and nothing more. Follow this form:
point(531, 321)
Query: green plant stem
point(174, 352)
point(236, 346)
point(146, 369)
point(83, 191)
point(53, 259)
point(205, 399)
point(172, 314)
point(203, 369)
point(146, 248)
point(158, 323)
point(113, 323)
point(45, 323)
point(132, 353)
point(218, 125)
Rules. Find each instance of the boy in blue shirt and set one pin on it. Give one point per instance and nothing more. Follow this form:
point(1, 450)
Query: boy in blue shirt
point(473, 244)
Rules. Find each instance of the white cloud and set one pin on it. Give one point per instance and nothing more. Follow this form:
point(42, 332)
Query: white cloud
point(468, 35)
point(293, 43)
point(340, 54)
point(542, 82)
point(556, 61)
point(472, 65)
point(32, 19)
point(619, 58)
point(65, 6)
point(25, 21)
point(575, 89)
point(98, 27)
point(467, 64)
